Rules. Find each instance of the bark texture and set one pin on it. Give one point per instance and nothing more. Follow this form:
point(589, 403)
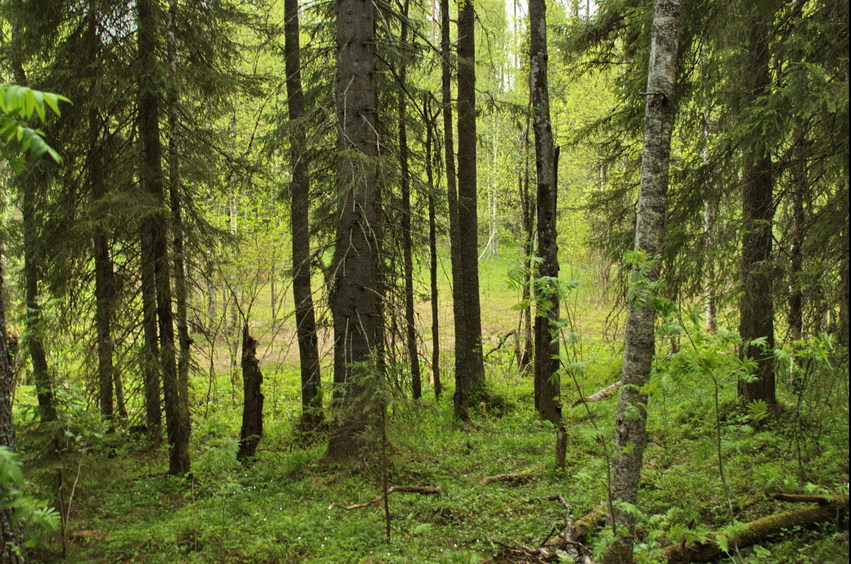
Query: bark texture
point(639, 342)
point(308, 346)
point(756, 305)
point(547, 384)
point(355, 298)
point(11, 534)
point(252, 402)
point(469, 365)
point(151, 175)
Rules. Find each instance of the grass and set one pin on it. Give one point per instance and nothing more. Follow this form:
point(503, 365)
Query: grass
point(125, 508)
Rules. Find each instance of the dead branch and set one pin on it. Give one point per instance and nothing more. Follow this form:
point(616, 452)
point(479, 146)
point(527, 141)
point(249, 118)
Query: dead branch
point(516, 478)
point(499, 344)
point(588, 523)
point(606, 392)
point(425, 490)
point(758, 530)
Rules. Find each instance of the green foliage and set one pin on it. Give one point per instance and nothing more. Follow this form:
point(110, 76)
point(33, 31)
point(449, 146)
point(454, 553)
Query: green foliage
point(32, 513)
point(18, 105)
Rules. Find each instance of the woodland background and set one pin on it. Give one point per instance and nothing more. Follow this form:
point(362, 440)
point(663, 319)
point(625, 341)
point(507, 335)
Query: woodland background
point(263, 261)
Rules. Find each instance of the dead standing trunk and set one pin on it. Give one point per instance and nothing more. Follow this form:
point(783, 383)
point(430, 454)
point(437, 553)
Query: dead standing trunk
point(355, 298)
point(547, 384)
point(639, 342)
point(308, 346)
point(252, 402)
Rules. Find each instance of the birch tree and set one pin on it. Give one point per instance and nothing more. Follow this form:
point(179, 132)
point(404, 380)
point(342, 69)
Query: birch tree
point(639, 342)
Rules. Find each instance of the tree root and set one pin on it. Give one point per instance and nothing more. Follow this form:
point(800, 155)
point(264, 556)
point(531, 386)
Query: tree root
point(425, 490)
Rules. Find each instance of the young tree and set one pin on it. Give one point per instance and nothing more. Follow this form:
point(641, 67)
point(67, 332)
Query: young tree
point(469, 364)
point(546, 382)
point(356, 302)
point(639, 342)
point(308, 347)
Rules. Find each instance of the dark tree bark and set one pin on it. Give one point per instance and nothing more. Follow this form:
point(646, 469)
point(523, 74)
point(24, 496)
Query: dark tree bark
point(104, 288)
point(181, 292)
point(308, 347)
point(355, 298)
point(35, 333)
point(431, 126)
point(407, 243)
point(151, 176)
point(252, 403)
point(469, 365)
point(796, 255)
point(449, 166)
point(547, 386)
point(525, 347)
point(11, 533)
point(756, 305)
point(150, 344)
point(639, 342)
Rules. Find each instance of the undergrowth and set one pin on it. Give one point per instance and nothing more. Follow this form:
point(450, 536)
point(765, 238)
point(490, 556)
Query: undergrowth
point(121, 507)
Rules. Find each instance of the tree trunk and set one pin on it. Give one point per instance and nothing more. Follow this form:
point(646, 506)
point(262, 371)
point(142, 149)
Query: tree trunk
point(525, 356)
point(11, 533)
point(451, 178)
point(756, 305)
point(181, 292)
point(308, 347)
point(796, 256)
point(152, 180)
point(639, 342)
point(407, 243)
point(104, 288)
point(547, 384)
point(150, 346)
point(469, 365)
point(432, 251)
point(34, 325)
point(710, 211)
point(355, 298)
point(252, 402)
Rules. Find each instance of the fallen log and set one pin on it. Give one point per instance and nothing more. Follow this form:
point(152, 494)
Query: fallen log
point(801, 498)
point(425, 490)
point(756, 531)
point(606, 392)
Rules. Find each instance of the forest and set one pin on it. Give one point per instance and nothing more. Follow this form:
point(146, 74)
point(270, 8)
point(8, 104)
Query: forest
point(393, 281)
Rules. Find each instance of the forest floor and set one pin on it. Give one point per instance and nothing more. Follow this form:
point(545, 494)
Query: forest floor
point(118, 504)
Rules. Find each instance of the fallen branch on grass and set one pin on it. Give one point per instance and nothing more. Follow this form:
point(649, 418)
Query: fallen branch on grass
point(800, 498)
point(566, 545)
point(758, 530)
point(601, 395)
point(515, 478)
point(425, 490)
